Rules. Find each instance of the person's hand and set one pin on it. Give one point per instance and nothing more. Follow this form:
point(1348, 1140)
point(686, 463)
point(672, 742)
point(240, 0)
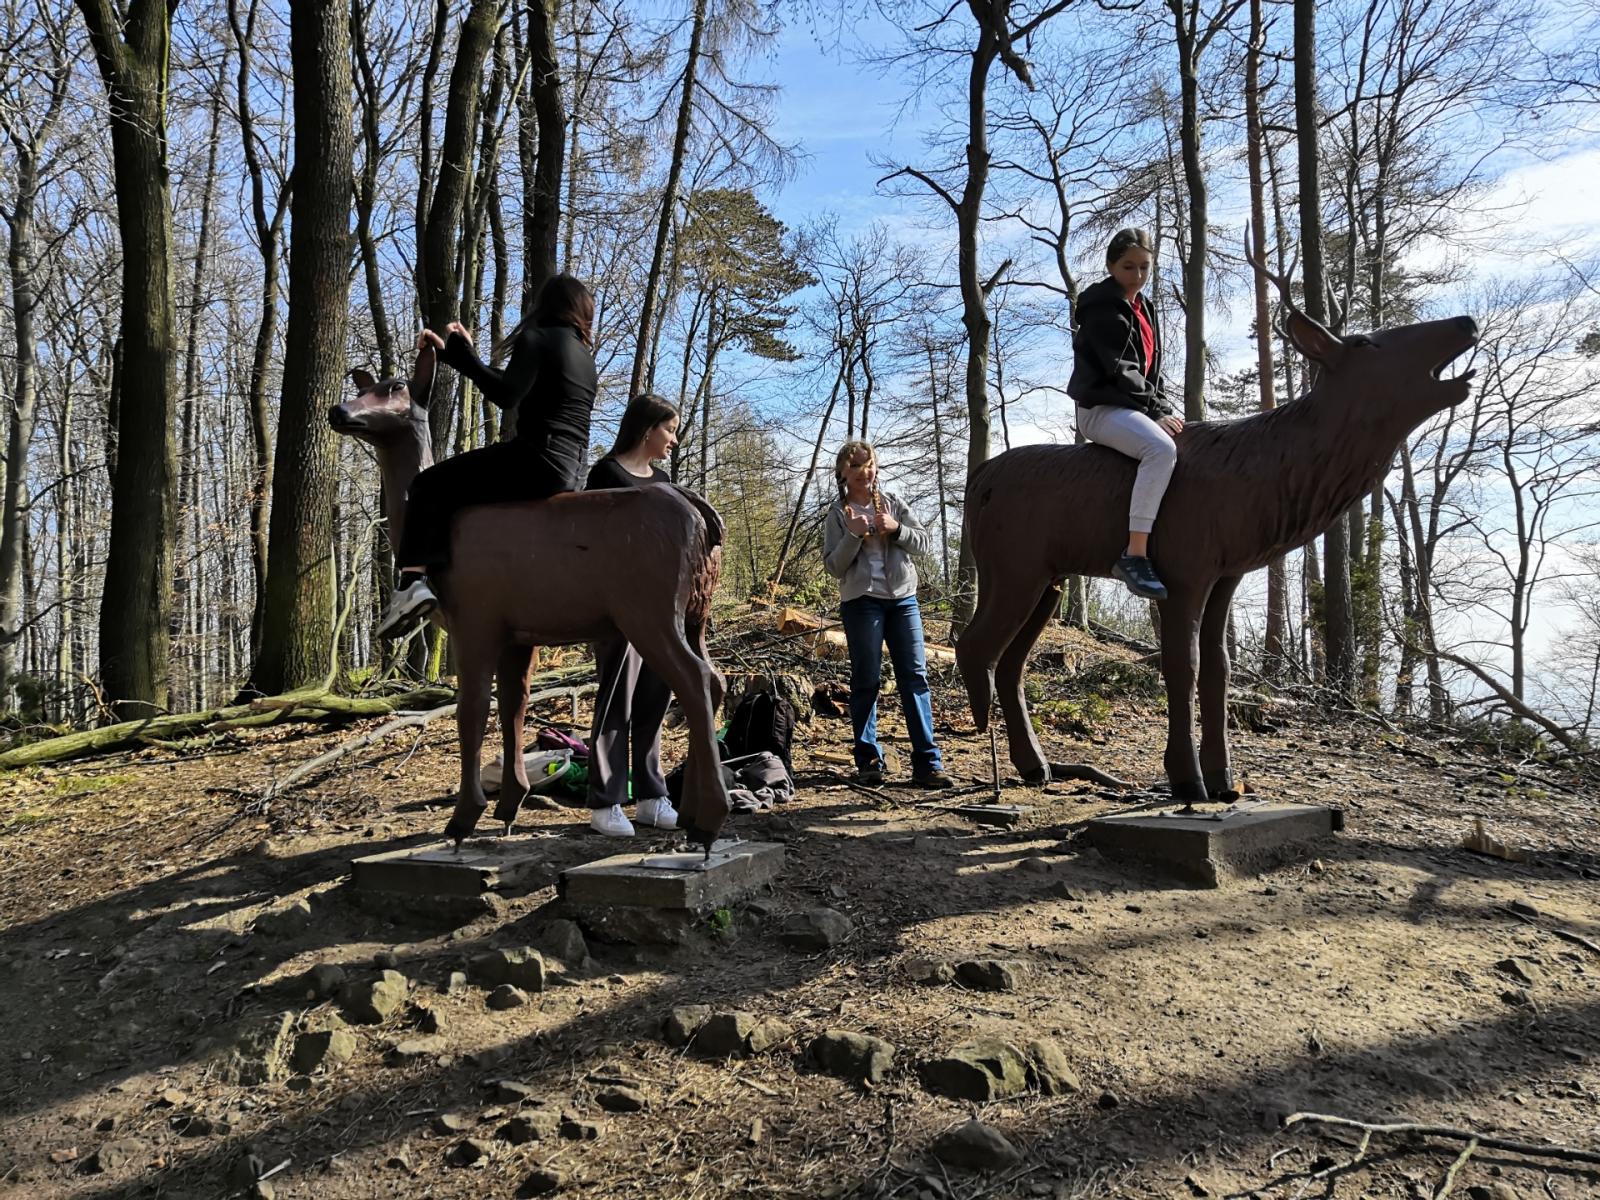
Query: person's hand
point(429, 338)
point(1173, 425)
point(887, 524)
point(458, 327)
point(859, 524)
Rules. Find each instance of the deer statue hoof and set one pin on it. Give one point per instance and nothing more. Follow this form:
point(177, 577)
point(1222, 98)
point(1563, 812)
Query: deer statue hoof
point(1219, 785)
point(460, 827)
point(1190, 792)
point(1037, 777)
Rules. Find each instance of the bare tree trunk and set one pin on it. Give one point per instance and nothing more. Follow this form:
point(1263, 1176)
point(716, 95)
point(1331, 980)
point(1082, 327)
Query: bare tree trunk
point(1277, 584)
point(30, 146)
point(1339, 635)
point(811, 470)
point(669, 200)
point(370, 97)
point(133, 50)
point(541, 221)
point(297, 632)
point(439, 254)
point(269, 234)
point(186, 608)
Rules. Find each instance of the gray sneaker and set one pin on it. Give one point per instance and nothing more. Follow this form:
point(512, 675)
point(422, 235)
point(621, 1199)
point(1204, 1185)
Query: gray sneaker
point(1139, 573)
point(406, 609)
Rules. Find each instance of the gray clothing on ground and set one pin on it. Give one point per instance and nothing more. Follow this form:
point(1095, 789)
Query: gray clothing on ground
point(843, 557)
point(1130, 432)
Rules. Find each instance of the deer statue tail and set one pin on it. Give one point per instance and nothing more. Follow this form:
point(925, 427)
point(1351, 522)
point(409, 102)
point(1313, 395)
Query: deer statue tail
point(976, 655)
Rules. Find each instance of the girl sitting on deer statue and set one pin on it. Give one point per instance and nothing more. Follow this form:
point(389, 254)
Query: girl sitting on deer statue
point(1122, 403)
point(547, 388)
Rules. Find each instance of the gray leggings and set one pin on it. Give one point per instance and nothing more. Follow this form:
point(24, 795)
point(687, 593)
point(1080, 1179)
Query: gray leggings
point(1132, 433)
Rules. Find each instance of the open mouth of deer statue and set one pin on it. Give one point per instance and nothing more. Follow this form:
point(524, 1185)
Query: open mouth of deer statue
point(1462, 382)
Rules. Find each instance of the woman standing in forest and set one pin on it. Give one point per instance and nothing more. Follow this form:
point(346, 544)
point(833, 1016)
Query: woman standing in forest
point(631, 700)
point(867, 543)
point(1116, 382)
point(548, 387)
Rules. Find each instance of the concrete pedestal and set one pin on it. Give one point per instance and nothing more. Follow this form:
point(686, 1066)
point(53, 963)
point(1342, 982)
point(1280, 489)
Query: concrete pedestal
point(481, 865)
point(1205, 848)
point(659, 897)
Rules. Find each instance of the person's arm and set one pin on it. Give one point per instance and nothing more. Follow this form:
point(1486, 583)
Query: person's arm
point(504, 387)
point(910, 534)
point(1109, 338)
point(839, 545)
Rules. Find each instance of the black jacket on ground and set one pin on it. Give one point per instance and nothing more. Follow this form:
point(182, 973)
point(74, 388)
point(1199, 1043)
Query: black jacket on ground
point(1108, 364)
point(549, 382)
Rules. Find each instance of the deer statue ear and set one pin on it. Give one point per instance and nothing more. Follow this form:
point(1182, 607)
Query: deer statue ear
point(1315, 342)
point(422, 376)
point(362, 379)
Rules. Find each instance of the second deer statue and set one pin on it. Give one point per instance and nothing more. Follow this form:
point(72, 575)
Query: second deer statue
point(578, 567)
point(1244, 492)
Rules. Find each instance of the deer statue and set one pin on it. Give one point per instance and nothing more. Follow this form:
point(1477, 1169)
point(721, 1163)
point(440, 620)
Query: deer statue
point(1243, 493)
point(578, 567)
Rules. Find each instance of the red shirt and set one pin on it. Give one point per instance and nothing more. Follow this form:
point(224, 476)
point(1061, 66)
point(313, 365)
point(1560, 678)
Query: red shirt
point(1147, 335)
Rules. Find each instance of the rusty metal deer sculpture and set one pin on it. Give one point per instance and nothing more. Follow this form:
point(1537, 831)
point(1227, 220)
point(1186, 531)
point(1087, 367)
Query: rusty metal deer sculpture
point(1243, 493)
point(578, 567)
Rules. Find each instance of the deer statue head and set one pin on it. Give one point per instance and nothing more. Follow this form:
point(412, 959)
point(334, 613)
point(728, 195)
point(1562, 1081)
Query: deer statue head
point(1387, 382)
point(391, 416)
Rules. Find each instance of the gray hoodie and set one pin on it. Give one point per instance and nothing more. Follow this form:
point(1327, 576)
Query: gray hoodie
point(843, 555)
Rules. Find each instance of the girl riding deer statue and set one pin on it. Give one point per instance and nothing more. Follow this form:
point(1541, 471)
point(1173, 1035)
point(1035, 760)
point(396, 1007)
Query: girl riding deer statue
point(511, 572)
point(1241, 494)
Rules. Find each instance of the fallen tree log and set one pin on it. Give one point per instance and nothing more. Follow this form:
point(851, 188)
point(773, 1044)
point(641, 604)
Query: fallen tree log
point(315, 705)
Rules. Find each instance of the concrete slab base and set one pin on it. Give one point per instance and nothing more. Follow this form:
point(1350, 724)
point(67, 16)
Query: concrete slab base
point(992, 814)
point(1205, 848)
point(481, 865)
point(658, 897)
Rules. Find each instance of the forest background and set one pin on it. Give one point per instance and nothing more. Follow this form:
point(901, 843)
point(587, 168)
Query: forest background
point(802, 221)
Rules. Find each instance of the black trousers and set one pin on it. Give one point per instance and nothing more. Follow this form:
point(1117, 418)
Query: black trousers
point(497, 474)
point(629, 706)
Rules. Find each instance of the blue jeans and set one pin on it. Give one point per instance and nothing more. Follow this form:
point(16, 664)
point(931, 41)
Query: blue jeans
point(868, 623)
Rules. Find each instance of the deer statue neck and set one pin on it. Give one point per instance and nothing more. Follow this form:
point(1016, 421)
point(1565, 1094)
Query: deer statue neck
point(400, 459)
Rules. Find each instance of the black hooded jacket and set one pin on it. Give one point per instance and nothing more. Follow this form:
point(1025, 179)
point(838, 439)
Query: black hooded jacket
point(1108, 364)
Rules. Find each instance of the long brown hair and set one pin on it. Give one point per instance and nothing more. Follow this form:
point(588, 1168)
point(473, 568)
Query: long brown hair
point(563, 300)
point(644, 412)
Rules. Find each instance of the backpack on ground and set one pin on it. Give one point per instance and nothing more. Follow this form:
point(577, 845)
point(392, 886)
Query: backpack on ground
point(762, 722)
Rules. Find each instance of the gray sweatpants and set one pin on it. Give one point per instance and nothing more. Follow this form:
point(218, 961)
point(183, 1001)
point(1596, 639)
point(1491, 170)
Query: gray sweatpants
point(628, 709)
point(1130, 432)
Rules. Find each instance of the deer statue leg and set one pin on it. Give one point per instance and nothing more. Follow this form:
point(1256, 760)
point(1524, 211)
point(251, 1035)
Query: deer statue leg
point(1180, 647)
point(660, 642)
point(696, 634)
point(1217, 774)
point(1006, 600)
point(511, 677)
point(1026, 754)
point(475, 655)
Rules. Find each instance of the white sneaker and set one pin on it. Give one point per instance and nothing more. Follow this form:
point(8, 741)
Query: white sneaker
point(406, 608)
point(658, 813)
point(612, 822)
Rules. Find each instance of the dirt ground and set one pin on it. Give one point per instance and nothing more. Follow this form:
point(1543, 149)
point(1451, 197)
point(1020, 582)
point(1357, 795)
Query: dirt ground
point(1389, 979)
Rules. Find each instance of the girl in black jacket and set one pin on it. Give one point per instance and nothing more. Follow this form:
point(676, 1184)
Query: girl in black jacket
point(547, 387)
point(1116, 382)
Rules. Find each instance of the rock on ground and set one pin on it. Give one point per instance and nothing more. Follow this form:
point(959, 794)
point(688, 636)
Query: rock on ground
point(976, 1147)
point(852, 1055)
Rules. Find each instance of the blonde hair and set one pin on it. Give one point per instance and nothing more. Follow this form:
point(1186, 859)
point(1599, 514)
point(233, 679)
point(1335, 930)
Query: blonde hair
point(841, 460)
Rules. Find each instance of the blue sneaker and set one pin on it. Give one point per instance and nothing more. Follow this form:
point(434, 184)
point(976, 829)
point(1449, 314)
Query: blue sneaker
point(1139, 573)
